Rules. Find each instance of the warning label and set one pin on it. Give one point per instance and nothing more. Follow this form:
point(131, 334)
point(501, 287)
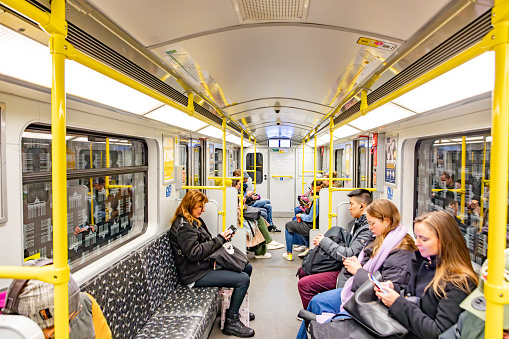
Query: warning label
point(376, 43)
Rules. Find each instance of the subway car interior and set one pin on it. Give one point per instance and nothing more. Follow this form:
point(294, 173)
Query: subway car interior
point(114, 112)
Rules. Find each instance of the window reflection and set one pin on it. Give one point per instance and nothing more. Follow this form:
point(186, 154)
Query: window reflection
point(439, 167)
point(103, 210)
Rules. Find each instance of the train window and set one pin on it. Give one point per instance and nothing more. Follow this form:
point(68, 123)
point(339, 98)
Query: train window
point(197, 172)
point(259, 166)
point(106, 205)
point(218, 160)
point(439, 175)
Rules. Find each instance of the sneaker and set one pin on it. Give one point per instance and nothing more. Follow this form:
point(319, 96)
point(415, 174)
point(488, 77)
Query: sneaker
point(303, 254)
point(274, 245)
point(287, 256)
point(300, 248)
point(265, 256)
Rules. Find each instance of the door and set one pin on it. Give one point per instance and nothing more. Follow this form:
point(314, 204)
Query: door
point(197, 176)
point(184, 161)
point(282, 180)
point(261, 171)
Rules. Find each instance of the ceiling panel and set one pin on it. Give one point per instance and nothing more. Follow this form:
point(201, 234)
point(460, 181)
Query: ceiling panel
point(296, 62)
point(393, 18)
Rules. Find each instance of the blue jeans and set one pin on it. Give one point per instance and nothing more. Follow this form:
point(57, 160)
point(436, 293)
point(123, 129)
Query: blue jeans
point(265, 204)
point(294, 239)
point(329, 301)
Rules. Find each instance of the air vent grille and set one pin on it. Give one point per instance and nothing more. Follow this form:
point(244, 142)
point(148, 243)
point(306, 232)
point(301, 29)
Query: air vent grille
point(271, 10)
point(460, 41)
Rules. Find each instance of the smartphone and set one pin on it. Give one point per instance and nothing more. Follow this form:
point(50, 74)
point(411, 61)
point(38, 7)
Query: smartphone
point(233, 229)
point(341, 255)
point(376, 282)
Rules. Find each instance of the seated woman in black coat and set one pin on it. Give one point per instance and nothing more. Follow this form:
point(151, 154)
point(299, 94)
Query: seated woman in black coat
point(442, 276)
point(192, 243)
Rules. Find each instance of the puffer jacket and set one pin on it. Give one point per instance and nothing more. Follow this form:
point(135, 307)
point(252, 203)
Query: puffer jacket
point(191, 246)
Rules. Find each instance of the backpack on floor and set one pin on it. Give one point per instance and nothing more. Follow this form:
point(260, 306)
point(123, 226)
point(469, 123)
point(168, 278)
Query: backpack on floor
point(319, 261)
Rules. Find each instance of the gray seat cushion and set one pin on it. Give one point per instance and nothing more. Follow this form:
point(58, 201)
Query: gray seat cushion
point(199, 302)
point(175, 327)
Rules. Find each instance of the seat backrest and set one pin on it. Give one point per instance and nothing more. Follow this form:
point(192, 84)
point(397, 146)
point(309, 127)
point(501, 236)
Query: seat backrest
point(130, 291)
point(19, 327)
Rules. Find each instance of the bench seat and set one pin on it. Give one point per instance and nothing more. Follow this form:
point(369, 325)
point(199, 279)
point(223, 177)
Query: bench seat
point(141, 297)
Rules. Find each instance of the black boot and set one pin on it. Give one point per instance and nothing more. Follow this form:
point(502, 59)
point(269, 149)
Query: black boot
point(233, 326)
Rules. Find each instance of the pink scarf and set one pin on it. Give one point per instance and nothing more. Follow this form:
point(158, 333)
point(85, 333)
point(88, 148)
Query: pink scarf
point(390, 242)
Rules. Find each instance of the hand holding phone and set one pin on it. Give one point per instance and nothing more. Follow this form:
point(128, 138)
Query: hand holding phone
point(232, 229)
point(376, 283)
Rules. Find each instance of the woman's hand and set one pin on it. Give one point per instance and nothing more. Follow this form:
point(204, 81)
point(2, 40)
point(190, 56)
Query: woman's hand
point(317, 239)
point(352, 264)
point(227, 234)
point(387, 298)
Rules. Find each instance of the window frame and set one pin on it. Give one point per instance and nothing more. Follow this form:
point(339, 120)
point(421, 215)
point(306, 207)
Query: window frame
point(43, 177)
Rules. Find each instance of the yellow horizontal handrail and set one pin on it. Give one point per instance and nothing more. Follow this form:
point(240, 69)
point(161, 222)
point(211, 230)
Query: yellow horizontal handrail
point(333, 179)
point(282, 176)
point(203, 187)
point(459, 190)
point(334, 189)
point(233, 178)
point(46, 273)
point(250, 171)
point(312, 171)
point(119, 186)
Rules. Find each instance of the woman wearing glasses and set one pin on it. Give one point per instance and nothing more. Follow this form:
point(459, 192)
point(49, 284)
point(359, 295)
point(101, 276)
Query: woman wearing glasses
point(390, 252)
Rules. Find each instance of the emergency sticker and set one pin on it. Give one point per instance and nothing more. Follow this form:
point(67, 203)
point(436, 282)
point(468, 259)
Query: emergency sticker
point(377, 44)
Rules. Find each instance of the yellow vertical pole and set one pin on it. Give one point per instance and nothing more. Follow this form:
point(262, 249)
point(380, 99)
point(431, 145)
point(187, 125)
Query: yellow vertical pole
point(493, 290)
point(255, 167)
point(242, 179)
point(303, 173)
point(314, 186)
point(107, 178)
point(331, 130)
point(481, 202)
point(59, 171)
point(463, 172)
point(224, 173)
point(91, 191)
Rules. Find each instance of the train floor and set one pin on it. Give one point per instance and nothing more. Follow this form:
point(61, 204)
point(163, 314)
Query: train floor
point(273, 294)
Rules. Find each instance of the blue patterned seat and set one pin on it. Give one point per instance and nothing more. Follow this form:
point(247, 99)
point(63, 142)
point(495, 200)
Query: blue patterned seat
point(141, 297)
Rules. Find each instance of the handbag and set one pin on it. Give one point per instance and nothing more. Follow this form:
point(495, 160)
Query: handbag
point(228, 257)
point(252, 213)
point(368, 311)
point(343, 328)
point(257, 238)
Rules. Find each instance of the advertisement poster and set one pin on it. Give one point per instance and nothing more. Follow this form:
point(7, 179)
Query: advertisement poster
point(169, 158)
point(391, 146)
point(348, 148)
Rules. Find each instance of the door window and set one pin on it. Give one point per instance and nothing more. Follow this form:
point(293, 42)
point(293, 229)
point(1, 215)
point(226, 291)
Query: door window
point(259, 166)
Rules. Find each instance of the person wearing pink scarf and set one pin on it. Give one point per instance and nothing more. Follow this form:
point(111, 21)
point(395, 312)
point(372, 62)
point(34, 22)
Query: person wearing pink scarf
point(390, 252)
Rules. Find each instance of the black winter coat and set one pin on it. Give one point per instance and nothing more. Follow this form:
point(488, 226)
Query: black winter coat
point(191, 246)
point(396, 268)
point(435, 314)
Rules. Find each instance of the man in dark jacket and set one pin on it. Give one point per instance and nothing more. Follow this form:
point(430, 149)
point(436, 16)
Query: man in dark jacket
point(310, 286)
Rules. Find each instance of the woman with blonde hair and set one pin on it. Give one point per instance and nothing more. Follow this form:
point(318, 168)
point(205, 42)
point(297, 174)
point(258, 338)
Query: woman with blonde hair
point(442, 276)
point(192, 244)
point(390, 252)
